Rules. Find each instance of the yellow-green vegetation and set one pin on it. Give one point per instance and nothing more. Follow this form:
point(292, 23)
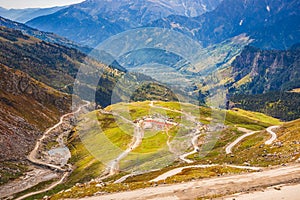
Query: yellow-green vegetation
point(200, 173)
point(115, 129)
point(258, 117)
point(137, 110)
point(253, 150)
point(235, 117)
point(249, 120)
point(243, 81)
point(153, 152)
point(153, 143)
point(141, 181)
point(95, 134)
point(86, 165)
point(101, 133)
point(131, 111)
point(201, 113)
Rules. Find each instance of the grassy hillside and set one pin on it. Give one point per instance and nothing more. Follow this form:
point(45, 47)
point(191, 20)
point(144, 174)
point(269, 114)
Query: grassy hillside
point(95, 128)
point(103, 133)
point(253, 150)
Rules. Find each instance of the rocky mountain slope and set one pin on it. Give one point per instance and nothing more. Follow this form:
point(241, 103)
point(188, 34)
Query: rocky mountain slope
point(29, 70)
point(261, 80)
point(27, 108)
point(258, 71)
point(56, 39)
point(49, 63)
point(93, 21)
point(272, 24)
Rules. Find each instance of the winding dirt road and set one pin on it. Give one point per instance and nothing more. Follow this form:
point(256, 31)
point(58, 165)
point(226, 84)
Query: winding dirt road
point(268, 142)
point(238, 140)
point(213, 186)
point(194, 140)
point(29, 180)
point(273, 135)
point(33, 159)
point(138, 136)
point(179, 170)
point(196, 149)
point(46, 189)
point(32, 156)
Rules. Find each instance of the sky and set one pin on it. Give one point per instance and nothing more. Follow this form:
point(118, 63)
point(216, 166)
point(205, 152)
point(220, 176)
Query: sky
point(35, 3)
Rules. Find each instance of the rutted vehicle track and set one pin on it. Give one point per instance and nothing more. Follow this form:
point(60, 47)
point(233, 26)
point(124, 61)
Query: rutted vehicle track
point(194, 140)
point(238, 140)
point(32, 156)
point(211, 186)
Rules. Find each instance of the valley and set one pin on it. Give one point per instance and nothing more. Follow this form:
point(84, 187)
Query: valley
point(150, 99)
point(135, 148)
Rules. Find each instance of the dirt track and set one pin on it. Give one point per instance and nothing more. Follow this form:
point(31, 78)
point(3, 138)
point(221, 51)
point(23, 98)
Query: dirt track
point(33, 159)
point(283, 192)
point(214, 186)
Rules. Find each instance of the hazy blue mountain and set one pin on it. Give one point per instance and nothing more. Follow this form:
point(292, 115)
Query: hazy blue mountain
point(77, 25)
point(24, 15)
point(48, 37)
point(93, 21)
point(272, 24)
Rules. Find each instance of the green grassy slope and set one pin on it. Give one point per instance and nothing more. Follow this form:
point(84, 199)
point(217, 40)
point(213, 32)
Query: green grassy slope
point(102, 133)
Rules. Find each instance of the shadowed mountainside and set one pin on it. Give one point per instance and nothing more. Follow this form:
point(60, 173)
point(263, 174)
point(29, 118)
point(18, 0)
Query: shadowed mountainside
point(272, 24)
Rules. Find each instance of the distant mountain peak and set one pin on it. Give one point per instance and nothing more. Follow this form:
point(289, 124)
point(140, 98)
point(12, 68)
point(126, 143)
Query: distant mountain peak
point(97, 20)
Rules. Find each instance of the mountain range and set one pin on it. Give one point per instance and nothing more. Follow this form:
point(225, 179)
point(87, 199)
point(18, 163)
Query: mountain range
point(271, 24)
point(91, 22)
point(221, 28)
point(140, 57)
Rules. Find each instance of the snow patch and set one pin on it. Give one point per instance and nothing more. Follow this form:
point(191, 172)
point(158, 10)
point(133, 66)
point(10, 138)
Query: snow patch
point(241, 22)
point(175, 25)
point(204, 7)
